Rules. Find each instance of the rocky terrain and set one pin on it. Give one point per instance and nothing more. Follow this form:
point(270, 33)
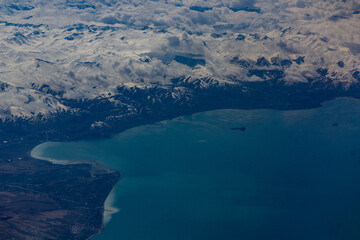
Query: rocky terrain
point(72, 69)
point(73, 50)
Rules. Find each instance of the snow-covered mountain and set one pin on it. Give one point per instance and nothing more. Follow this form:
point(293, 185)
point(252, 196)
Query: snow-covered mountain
point(53, 52)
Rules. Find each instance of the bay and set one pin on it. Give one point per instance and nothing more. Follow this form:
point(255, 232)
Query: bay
point(232, 174)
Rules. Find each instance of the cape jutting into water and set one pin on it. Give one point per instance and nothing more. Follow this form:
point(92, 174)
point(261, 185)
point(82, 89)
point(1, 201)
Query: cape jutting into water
point(233, 174)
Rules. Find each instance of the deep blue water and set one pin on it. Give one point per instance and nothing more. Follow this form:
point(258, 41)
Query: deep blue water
point(291, 175)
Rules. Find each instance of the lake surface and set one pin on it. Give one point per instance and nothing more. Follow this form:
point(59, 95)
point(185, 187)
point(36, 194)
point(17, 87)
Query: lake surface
point(290, 175)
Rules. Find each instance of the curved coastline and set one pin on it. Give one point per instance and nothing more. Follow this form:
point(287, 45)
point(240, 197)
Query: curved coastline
point(293, 115)
point(22, 134)
point(109, 206)
point(36, 153)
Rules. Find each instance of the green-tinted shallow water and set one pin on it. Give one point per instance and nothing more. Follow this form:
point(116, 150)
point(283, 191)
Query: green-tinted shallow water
point(292, 175)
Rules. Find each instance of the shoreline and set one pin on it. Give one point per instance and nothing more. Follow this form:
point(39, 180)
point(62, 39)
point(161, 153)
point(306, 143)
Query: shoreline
point(22, 135)
point(109, 205)
point(110, 199)
point(34, 153)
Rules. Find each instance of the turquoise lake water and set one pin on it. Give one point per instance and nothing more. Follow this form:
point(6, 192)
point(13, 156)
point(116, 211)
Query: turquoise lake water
point(291, 175)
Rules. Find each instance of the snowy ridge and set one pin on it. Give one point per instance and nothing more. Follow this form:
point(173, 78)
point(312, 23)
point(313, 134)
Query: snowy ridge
point(85, 49)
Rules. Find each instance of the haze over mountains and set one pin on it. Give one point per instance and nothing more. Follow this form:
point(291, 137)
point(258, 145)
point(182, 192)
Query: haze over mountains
point(55, 51)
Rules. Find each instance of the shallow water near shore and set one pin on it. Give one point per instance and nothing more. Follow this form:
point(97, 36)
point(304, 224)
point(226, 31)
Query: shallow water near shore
point(287, 175)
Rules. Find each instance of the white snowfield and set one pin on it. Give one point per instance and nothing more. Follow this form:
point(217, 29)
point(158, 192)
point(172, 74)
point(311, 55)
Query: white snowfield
point(51, 50)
